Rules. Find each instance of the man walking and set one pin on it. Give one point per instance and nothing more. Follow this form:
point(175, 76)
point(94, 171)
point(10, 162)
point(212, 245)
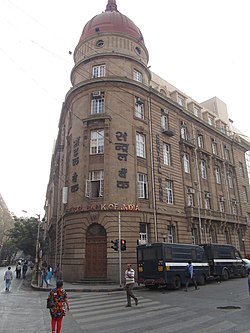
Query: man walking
point(129, 283)
point(190, 275)
point(8, 276)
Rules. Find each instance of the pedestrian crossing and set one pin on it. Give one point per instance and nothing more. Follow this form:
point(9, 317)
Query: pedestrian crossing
point(106, 312)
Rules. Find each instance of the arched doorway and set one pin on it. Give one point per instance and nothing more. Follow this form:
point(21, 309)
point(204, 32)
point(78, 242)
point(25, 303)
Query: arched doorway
point(96, 252)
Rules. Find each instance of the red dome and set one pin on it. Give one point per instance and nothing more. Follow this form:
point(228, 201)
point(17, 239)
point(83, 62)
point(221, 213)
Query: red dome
point(111, 21)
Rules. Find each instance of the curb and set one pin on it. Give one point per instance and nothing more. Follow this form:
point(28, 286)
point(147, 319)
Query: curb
point(91, 289)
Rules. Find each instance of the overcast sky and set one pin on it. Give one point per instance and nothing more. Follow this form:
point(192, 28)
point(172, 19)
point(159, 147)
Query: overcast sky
point(199, 46)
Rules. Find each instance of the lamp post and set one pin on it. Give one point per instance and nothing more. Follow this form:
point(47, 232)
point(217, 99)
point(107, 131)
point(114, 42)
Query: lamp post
point(37, 249)
point(244, 249)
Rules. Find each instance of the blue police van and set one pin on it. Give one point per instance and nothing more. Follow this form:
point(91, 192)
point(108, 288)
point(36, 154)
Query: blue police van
point(224, 261)
point(164, 264)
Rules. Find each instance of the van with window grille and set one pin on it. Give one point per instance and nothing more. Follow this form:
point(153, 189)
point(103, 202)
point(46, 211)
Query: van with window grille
point(164, 264)
point(224, 261)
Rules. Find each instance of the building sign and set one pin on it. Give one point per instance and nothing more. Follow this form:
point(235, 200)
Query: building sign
point(75, 162)
point(110, 206)
point(158, 151)
point(122, 147)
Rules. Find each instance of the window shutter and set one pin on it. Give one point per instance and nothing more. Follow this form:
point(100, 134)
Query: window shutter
point(101, 188)
point(88, 188)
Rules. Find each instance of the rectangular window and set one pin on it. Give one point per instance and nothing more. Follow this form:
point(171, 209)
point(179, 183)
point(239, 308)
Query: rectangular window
point(143, 235)
point(142, 186)
point(207, 201)
point(169, 191)
point(210, 120)
point(137, 76)
point(95, 184)
point(184, 134)
point(203, 170)
point(244, 193)
point(226, 154)
point(171, 234)
point(217, 175)
point(97, 142)
point(166, 154)
point(97, 102)
point(190, 200)
point(186, 163)
point(196, 111)
point(139, 108)
point(234, 207)
point(195, 237)
point(241, 169)
point(223, 128)
point(140, 145)
point(98, 71)
point(248, 218)
point(227, 237)
point(164, 122)
point(200, 141)
point(180, 100)
point(230, 179)
point(221, 204)
point(214, 147)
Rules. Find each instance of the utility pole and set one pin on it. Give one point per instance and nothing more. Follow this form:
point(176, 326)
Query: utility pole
point(37, 249)
point(119, 248)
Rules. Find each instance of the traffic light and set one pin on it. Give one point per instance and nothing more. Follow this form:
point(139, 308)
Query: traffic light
point(123, 244)
point(115, 245)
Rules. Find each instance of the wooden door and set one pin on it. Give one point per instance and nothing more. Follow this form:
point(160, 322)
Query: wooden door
point(96, 252)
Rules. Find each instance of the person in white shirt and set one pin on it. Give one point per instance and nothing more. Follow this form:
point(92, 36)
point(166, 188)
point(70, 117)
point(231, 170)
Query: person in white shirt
point(129, 283)
point(8, 276)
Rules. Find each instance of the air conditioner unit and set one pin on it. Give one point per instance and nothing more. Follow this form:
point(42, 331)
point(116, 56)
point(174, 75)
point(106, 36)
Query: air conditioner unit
point(139, 101)
point(164, 111)
point(96, 94)
point(190, 190)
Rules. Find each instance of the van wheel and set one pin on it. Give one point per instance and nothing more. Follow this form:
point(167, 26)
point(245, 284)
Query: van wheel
point(225, 275)
point(202, 280)
point(243, 273)
point(177, 283)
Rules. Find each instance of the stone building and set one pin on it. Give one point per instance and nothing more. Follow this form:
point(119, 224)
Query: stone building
point(138, 159)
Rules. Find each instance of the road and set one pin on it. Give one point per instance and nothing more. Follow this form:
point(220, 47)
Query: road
point(215, 307)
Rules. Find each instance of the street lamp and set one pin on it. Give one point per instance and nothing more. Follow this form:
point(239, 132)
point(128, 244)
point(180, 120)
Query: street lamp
point(37, 249)
point(244, 249)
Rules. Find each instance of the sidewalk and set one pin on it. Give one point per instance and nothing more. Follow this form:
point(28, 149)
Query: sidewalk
point(81, 287)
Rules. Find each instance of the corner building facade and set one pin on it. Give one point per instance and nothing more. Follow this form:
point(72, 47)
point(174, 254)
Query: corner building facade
point(135, 155)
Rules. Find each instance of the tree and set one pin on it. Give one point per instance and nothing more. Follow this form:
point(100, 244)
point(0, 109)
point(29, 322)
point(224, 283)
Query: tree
point(24, 235)
point(8, 251)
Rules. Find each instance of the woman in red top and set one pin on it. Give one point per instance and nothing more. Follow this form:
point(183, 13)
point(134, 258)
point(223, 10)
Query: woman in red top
point(59, 299)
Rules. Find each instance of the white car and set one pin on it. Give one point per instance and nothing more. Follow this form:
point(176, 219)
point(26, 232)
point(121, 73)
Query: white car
point(246, 264)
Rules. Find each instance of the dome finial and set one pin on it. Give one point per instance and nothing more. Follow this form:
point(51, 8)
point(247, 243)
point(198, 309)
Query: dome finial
point(111, 6)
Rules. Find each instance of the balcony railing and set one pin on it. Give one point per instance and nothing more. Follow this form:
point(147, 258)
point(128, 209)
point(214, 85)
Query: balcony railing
point(214, 215)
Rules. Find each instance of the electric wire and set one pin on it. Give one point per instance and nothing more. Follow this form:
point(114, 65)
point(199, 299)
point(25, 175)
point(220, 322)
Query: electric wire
point(47, 50)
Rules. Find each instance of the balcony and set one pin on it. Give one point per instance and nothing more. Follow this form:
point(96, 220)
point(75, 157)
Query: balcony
point(168, 132)
point(193, 212)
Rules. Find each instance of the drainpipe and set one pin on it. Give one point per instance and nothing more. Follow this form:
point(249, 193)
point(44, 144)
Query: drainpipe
point(152, 168)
